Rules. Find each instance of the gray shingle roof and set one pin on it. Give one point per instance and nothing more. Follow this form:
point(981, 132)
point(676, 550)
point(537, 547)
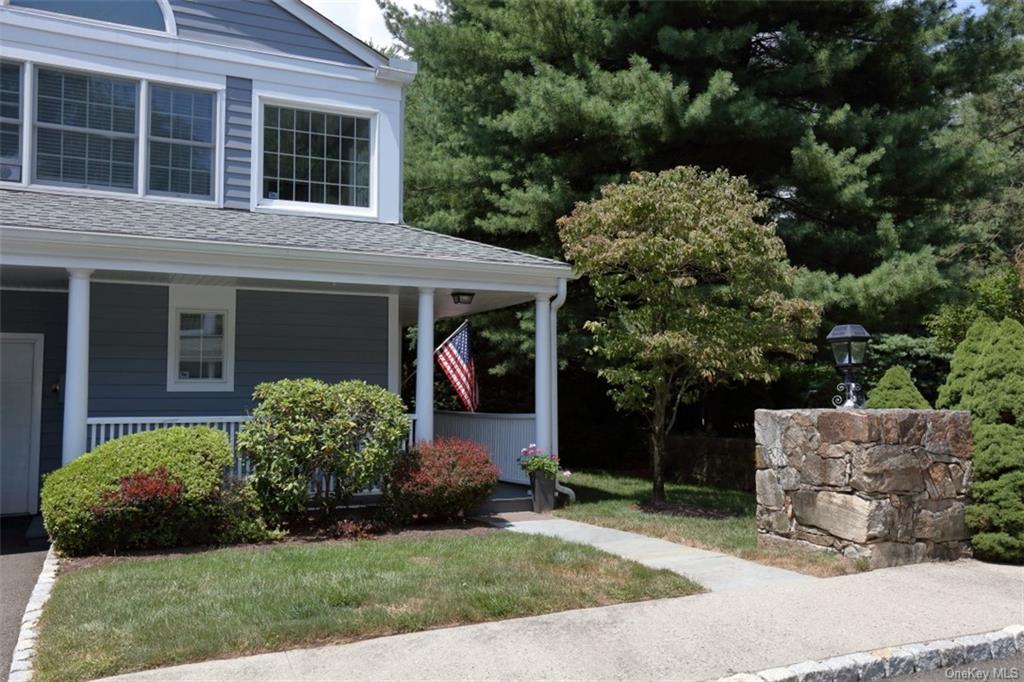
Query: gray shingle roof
point(197, 223)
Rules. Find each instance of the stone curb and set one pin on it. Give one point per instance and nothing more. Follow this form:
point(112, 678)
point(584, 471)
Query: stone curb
point(895, 661)
point(25, 649)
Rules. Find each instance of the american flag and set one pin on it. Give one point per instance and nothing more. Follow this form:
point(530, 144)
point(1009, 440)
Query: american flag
point(456, 360)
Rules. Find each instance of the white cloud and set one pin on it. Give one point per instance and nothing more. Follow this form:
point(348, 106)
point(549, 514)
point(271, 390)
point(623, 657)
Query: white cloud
point(362, 18)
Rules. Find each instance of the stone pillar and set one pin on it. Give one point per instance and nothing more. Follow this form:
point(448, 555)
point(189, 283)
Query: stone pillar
point(886, 486)
point(425, 367)
point(76, 368)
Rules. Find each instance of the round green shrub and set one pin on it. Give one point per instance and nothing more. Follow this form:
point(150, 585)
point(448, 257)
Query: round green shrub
point(896, 389)
point(996, 512)
point(73, 495)
point(304, 430)
point(440, 480)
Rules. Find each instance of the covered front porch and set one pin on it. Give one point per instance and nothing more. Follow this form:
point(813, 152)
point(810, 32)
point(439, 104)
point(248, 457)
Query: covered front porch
point(109, 360)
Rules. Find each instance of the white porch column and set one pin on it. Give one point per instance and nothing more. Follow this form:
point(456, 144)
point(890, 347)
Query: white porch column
point(542, 373)
point(425, 367)
point(554, 380)
point(76, 370)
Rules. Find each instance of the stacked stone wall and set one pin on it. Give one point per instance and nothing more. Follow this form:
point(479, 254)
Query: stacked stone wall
point(885, 486)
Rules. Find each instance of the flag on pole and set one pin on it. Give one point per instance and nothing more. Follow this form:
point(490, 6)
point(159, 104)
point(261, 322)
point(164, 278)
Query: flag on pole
point(456, 361)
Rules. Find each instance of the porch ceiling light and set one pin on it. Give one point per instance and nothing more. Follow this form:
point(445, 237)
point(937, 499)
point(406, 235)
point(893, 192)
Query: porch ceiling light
point(462, 297)
point(849, 344)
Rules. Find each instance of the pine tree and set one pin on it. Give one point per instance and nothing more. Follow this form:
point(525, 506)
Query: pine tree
point(896, 389)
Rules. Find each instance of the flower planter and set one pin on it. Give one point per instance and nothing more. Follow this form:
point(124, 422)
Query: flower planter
point(543, 489)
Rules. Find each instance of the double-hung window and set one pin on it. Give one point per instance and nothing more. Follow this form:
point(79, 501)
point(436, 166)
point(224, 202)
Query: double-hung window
point(200, 344)
point(180, 142)
point(10, 121)
point(85, 130)
point(315, 157)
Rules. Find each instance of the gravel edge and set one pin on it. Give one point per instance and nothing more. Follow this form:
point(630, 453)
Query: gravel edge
point(25, 648)
point(896, 661)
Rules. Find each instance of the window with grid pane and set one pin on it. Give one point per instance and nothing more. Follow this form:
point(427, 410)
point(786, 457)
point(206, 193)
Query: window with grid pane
point(315, 157)
point(85, 130)
point(200, 345)
point(10, 118)
point(181, 142)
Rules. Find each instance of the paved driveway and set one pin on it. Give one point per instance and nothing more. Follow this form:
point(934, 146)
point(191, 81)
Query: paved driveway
point(20, 563)
point(691, 638)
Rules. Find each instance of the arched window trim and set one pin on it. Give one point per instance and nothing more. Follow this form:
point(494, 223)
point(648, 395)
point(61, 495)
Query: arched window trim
point(170, 24)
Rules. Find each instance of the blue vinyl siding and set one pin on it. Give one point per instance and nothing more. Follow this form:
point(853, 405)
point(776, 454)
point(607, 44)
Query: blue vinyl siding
point(277, 335)
point(238, 143)
point(46, 313)
point(255, 24)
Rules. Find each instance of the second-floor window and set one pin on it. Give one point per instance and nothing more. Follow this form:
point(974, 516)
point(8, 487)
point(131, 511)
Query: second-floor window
point(10, 121)
point(85, 130)
point(315, 157)
point(180, 142)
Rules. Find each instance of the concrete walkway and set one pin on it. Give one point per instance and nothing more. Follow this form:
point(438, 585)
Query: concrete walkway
point(716, 572)
point(702, 637)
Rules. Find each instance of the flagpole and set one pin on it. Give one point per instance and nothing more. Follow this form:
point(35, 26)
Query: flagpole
point(457, 330)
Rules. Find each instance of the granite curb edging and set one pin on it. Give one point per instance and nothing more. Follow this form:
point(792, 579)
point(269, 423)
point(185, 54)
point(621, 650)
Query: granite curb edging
point(25, 648)
point(896, 661)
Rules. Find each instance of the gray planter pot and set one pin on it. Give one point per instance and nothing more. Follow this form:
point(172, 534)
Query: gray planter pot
point(543, 488)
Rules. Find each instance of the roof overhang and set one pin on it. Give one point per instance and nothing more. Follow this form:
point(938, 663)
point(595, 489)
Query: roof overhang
point(43, 247)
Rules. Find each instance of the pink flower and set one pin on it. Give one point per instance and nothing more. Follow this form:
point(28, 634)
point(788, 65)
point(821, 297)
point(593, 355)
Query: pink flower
point(567, 473)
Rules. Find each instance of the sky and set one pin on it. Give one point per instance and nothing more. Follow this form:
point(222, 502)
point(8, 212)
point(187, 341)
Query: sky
point(363, 19)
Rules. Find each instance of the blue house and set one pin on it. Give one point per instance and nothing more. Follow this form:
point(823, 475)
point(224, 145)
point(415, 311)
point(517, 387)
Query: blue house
point(200, 195)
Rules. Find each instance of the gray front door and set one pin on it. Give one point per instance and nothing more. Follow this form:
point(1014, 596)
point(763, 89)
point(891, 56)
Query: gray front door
point(21, 363)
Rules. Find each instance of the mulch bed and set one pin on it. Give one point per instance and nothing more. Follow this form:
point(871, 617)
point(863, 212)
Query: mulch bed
point(679, 509)
point(300, 531)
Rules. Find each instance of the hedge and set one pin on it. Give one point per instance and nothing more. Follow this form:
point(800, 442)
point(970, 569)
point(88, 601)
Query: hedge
point(896, 389)
point(445, 479)
point(74, 496)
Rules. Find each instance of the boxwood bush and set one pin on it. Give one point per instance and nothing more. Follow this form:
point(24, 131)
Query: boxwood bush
point(440, 480)
point(152, 487)
point(303, 430)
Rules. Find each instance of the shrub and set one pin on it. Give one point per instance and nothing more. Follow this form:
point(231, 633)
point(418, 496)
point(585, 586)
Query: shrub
point(304, 429)
point(238, 516)
point(896, 389)
point(144, 471)
point(996, 512)
point(441, 480)
point(987, 373)
point(987, 377)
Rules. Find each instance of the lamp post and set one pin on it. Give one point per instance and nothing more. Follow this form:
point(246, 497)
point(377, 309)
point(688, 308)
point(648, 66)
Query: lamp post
point(849, 343)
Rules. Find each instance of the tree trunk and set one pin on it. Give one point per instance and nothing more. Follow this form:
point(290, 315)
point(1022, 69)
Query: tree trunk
point(657, 435)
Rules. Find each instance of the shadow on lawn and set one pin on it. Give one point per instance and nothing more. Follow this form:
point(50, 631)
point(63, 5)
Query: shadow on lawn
point(607, 486)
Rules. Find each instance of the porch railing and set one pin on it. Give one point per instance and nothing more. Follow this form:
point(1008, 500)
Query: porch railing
point(102, 429)
point(503, 434)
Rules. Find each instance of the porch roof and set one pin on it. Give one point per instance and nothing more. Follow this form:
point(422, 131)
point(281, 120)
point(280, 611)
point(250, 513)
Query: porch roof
point(200, 224)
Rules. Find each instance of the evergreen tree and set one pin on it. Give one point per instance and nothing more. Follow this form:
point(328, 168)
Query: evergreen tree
point(835, 111)
point(896, 389)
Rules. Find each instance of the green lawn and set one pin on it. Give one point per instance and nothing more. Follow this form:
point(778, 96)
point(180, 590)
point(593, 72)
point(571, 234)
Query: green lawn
point(615, 501)
point(143, 613)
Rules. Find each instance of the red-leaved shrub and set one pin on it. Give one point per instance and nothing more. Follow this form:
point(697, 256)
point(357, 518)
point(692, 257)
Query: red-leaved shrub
point(440, 480)
point(149, 509)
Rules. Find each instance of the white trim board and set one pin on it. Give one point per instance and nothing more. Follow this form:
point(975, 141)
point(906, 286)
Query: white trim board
point(38, 343)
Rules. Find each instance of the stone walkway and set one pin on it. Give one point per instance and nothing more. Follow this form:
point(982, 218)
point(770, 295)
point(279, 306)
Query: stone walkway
point(716, 572)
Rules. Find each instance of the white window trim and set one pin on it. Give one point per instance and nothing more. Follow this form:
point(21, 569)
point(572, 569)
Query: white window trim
point(258, 203)
point(196, 298)
point(29, 74)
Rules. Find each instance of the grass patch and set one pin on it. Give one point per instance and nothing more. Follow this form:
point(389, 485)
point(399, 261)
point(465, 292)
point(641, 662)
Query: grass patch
point(720, 520)
point(143, 613)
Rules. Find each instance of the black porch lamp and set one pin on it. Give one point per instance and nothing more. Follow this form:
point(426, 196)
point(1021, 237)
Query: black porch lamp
point(849, 343)
point(462, 297)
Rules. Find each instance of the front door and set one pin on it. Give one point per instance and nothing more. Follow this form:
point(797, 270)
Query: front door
point(21, 391)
